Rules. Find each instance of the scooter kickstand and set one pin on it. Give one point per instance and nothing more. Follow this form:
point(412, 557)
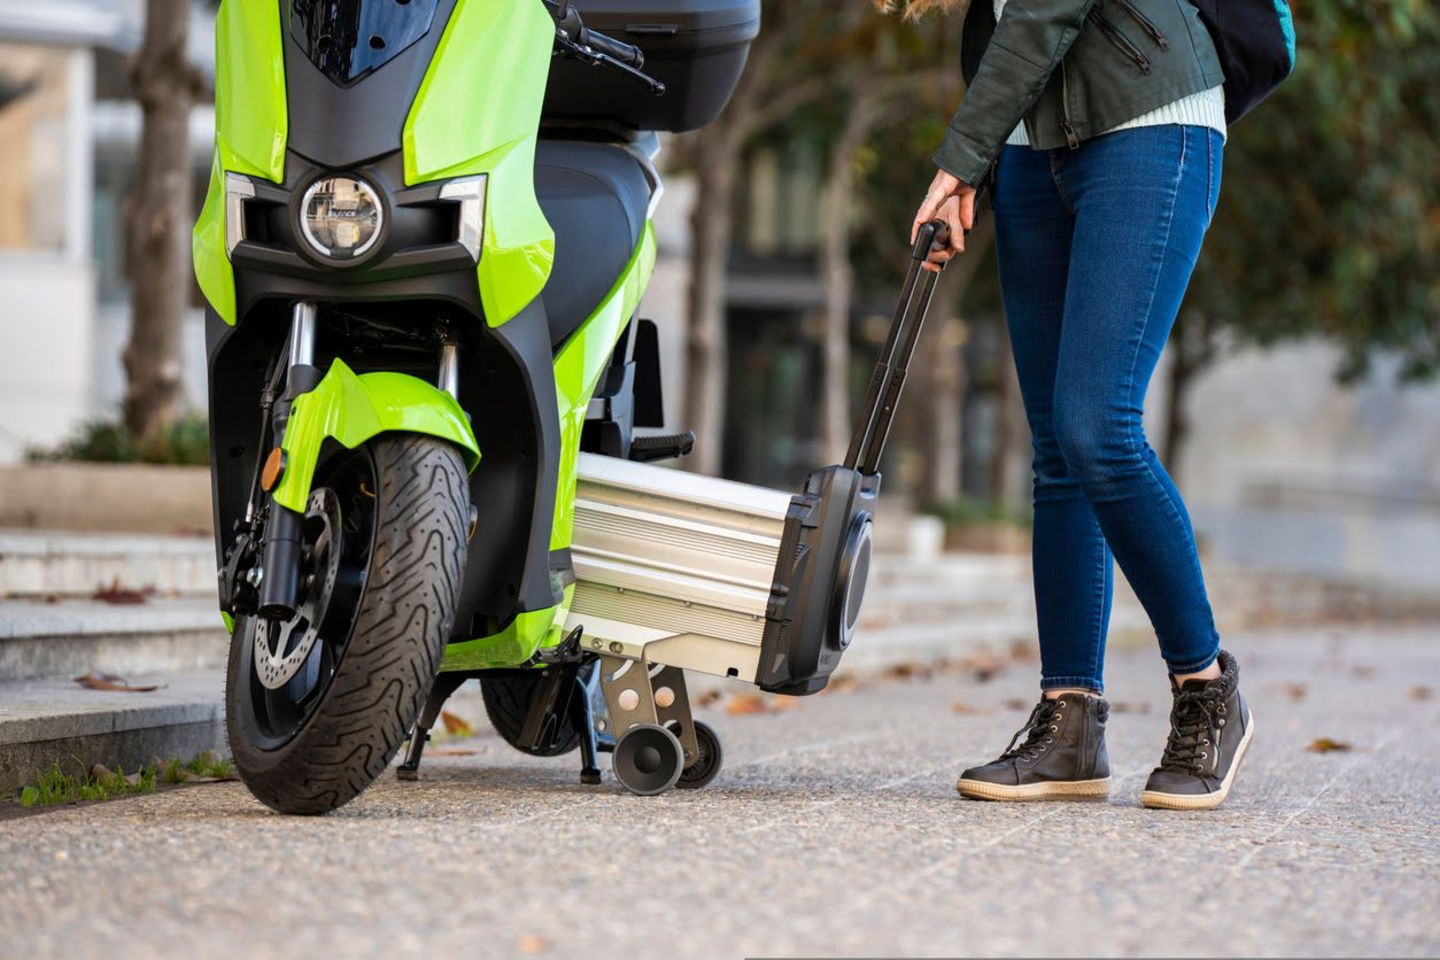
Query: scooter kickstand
point(445, 684)
point(587, 691)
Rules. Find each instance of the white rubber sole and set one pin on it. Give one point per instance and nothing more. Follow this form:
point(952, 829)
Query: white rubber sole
point(1050, 790)
point(1159, 800)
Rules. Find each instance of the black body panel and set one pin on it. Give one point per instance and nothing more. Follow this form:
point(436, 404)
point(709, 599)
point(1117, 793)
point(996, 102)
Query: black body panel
point(339, 126)
point(595, 196)
point(697, 48)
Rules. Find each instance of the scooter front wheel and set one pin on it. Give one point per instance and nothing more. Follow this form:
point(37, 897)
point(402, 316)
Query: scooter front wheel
point(316, 706)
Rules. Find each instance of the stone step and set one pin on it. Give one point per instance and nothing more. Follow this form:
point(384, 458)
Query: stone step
point(71, 637)
point(56, 720)
point(39, 563)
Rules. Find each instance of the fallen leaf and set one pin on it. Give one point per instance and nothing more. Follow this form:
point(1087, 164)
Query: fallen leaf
point(456, 725)
point(531, 944)
point(1023, 651)
point(1121, 706)
point(1296, 692)
point(844, 683)
point(95, 680)
point(961, 707)
point(747, 703)
point(985, 674)
point(448, 752)
point(1326, 745)
point(708, 699)
point(1421, 692)
point(116, 594)
point(907, 671)
point(1015, 703)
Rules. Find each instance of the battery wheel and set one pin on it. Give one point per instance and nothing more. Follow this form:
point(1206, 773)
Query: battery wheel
point(707, 764)
point(648, 759)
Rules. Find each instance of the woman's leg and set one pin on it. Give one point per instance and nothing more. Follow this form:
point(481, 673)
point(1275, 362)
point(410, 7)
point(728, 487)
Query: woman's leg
point(1143, 199)
point(1072, 564)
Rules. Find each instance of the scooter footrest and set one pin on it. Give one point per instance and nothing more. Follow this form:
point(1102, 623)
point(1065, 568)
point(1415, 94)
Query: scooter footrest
point(666, 447)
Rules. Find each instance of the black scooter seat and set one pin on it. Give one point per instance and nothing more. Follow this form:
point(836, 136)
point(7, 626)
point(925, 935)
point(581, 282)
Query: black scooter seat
point(595, 196)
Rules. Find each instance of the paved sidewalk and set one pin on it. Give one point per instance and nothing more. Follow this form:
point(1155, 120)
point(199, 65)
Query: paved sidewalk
point(833, 831)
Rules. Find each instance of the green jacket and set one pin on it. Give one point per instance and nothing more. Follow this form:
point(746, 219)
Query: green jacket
point(1071, 69)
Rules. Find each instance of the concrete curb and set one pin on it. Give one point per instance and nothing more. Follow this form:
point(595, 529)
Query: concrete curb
point(48, 721)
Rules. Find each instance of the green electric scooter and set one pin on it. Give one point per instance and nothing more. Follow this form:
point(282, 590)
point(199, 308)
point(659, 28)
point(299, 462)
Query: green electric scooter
point(424, 246)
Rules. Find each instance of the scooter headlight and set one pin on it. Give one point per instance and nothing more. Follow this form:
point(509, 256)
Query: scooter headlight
point(341, 217)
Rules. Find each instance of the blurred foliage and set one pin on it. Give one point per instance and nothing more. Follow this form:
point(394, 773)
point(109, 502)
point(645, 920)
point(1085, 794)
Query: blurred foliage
point(185, 442)
point(1329, 219)
point(972, 512)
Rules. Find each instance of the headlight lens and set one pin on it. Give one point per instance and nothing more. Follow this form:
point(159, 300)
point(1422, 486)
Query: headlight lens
point(341, 217)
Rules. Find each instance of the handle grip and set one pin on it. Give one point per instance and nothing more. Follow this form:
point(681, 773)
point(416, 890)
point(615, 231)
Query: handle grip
point(628, 54)
point(932, 237)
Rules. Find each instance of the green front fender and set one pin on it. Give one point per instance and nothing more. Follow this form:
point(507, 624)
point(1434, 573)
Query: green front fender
point(352, 409)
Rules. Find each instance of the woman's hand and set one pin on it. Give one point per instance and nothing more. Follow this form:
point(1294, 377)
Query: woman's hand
point(953, 201)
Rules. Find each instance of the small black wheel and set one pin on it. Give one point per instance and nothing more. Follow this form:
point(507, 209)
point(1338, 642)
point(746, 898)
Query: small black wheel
point(648, 759)
point(707, 765)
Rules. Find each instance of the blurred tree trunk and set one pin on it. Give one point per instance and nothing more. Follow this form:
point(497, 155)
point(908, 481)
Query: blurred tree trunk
point(947, 372)
point(159, 221)
point(1192, 348)
point(837, 277)
point(716, 152)
point(1010, 427)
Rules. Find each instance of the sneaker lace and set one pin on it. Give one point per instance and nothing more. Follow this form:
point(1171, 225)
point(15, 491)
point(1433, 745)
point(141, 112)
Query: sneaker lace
point(1036, 732)
point(1194, 724)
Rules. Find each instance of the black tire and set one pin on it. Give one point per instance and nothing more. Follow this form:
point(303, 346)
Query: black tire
point(507, 701)
point(350, 724)
point(707, 765)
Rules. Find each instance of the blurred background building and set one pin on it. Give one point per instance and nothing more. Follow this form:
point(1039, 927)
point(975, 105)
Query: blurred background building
point(1285, 467)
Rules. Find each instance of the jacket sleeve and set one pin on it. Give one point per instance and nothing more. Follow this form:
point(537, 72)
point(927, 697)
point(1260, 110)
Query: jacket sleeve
point(1029, 41)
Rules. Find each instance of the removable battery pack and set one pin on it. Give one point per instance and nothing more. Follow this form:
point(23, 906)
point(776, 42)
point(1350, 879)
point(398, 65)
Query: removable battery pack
point(672, 567)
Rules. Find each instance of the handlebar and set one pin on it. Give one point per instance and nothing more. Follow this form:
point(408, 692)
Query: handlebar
point(574, 39)
point(628, 54)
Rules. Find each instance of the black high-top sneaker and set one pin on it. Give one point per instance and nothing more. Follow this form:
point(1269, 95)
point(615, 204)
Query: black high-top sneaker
point(1062, 756)
point(1210, 730)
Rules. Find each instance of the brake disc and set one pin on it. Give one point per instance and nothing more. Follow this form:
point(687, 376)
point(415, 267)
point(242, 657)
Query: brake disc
point(283, 648)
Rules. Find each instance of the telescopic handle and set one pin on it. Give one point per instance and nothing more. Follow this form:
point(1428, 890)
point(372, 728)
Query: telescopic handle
point(887, 381)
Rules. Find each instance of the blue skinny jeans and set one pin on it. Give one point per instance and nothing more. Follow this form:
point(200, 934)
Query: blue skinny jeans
point(1096, 246)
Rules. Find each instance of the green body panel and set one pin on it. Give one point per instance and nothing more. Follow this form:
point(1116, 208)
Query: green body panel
point(578, 367)
point(514, 645)
point(251, 127)
point(352, 409)
point(478, 111)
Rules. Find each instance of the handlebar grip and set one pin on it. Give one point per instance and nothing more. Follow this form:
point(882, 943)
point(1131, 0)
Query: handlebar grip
point(626, 53)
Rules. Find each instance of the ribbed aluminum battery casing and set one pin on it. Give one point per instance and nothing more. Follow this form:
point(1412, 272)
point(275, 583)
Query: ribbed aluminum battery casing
point(672, 567)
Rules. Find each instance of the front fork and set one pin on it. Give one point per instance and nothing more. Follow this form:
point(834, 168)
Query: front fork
point(284, 528)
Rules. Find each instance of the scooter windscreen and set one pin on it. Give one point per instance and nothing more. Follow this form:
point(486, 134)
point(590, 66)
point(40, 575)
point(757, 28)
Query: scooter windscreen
point(347, 39)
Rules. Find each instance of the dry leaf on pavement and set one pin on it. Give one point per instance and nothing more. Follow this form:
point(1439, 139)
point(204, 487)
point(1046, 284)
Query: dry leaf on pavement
point(531, 944)
point(116, 594)
point(746, 703)
point(95, 680)
point(1326, 745)
point(456, 725)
